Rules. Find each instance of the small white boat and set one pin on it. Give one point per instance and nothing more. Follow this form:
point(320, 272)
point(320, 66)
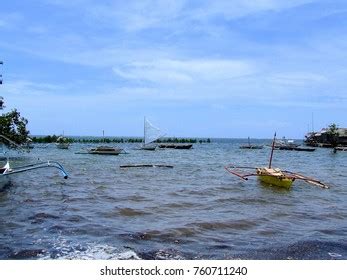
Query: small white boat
point(62, 143)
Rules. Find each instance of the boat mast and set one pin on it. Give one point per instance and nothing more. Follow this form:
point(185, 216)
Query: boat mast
point(312, 123)
point(1, 63)
point(144, 130)
point(1, 98)
point(272, 150)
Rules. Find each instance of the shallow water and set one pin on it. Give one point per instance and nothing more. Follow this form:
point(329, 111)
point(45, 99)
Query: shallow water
point(195, 210)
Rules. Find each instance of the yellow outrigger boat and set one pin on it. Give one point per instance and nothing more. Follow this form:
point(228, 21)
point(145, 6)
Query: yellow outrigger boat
point(272, 176)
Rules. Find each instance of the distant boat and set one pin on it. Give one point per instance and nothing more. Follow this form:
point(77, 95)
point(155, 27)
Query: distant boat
point(250, 146)
point(62, 143)
point(284, 144)
point(150, 135)
point(341, 148)
point(300, 149)
point(105, 150)
point(179, 146)
point(29, 144)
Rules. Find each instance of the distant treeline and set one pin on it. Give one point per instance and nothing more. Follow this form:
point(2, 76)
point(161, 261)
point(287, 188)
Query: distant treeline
point(53, 139)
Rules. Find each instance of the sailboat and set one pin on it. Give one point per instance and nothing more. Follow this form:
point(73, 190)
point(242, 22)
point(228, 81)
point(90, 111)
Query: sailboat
point(150, 135)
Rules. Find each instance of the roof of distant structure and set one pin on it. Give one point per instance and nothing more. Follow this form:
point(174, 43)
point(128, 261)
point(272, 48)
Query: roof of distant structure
point(341, 132)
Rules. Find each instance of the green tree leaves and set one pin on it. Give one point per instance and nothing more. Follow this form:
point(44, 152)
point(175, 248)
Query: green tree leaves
point(13, 126)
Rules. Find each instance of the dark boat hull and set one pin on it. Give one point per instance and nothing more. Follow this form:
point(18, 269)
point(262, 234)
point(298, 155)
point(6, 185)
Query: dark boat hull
point(176, 146)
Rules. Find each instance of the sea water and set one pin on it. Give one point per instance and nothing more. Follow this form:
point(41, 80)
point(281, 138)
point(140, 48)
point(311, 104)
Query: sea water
point(195, 210)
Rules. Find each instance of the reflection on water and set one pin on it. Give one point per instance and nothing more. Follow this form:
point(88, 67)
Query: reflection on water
point(194, 210)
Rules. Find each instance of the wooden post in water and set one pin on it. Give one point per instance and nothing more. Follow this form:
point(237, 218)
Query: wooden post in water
point(272, 150)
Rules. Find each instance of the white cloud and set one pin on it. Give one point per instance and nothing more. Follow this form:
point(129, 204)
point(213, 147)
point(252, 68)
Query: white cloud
point(29, 88)
point(140, 15)
point(137, 15)
point(294, 79)
point(171, 70)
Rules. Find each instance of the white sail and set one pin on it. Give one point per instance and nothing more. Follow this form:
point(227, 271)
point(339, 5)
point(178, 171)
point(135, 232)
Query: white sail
point(151, 132)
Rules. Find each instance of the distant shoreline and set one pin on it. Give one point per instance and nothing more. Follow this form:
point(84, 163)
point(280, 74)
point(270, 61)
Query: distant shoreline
point(93, 139)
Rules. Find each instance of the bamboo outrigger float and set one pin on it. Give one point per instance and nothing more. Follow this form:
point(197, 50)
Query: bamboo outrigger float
point(7, 171)
point(272, 176)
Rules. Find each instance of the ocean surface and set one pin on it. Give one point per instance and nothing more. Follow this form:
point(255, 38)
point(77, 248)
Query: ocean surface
point(195, 210)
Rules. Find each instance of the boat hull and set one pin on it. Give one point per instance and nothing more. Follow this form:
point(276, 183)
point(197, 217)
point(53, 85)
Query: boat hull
point(178, 146)
point(252, 147)
point(111, 153)
point(274, 181)
point(105, 150)
point(274, 177)
point(149, 147)
point(63, 145)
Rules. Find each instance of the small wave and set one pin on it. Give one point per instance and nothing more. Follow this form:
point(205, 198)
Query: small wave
point(137, 198)
point(41, 217)
point(334, 255)
point(171, 236)
point(26, 254)
point(66, 250)
point(303, 250)
point(168, 254)
point(180, 205)
point(130, 212)
point(97, 252)
point(238, 225)
point(75, 218)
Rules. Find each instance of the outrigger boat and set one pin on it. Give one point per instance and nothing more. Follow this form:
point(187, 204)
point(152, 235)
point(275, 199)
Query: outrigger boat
point(105, 150)
point(251, 146)
point(272, 176)
point(62, 143)
point(6, 172)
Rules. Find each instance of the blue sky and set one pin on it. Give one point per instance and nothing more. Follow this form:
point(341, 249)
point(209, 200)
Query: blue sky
point(232, 68)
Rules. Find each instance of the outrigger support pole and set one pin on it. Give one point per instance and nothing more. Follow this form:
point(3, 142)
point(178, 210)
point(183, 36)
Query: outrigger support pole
point(234, 173)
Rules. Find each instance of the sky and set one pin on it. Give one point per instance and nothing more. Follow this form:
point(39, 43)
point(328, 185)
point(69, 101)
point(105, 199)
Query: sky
point(228, 68)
